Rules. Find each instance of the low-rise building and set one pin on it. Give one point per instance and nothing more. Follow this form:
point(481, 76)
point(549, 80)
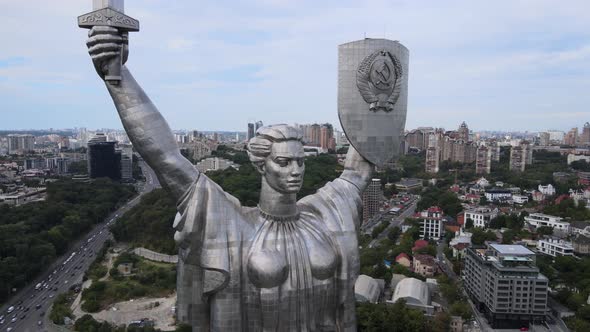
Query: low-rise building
point(456, 324)
point(505, 284)
point(431, 223)
point(498, 195)
point(481, 216)
point(584, 178)
point(520, 199)
point(409, 184)
point(404, 260)
point(367, 289)
point(547, 190)
point(538, 196)
point(415, 293)
point(580, 227)
point(214, 164)
point(424, 265)
point(555, 247)
point(581, 244)
point(540, 219)
point(573, 157)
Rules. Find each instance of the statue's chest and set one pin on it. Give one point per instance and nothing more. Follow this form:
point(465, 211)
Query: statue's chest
point(292, 255)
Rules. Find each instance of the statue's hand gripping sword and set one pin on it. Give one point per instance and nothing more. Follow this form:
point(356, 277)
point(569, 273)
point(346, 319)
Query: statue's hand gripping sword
point(110, 13)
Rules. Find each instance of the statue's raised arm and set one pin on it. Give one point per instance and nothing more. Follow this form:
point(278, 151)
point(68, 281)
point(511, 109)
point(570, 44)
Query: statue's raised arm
point(148, 131)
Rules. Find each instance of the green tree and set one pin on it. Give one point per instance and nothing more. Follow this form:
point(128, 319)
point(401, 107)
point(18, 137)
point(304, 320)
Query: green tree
point(469, 223)
point(545, 230)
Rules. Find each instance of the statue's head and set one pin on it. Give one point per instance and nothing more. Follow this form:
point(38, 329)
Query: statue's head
point(277, 153)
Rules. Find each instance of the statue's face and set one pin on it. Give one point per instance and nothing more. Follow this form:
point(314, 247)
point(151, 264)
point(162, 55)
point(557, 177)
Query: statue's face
point(284, 167)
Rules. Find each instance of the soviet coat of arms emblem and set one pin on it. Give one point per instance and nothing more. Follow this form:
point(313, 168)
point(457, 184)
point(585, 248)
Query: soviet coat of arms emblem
point(378, 79)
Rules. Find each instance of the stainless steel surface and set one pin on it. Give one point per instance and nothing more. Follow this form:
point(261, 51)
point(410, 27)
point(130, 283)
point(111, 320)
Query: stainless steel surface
point(373, 96)
point(118, 5)
point(286, 265)
point(108, 17)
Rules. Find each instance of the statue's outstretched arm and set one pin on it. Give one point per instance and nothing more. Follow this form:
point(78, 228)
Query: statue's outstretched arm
point(148, 131)
point(357, 170)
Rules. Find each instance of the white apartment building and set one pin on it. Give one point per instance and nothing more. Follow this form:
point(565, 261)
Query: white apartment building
point(520, 199)
point(540, 219)
point(481, 216)
point(555, 247)
point(431, 224)
point(547, 190)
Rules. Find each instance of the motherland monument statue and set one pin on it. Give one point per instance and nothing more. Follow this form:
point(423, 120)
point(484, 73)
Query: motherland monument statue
point(287, 264)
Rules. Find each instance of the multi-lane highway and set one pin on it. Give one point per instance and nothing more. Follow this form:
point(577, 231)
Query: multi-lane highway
point(25, 311)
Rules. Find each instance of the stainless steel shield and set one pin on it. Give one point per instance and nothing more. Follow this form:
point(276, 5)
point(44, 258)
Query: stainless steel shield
point(373, 96)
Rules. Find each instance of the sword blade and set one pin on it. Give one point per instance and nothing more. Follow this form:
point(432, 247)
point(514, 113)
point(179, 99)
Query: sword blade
point(117, 5)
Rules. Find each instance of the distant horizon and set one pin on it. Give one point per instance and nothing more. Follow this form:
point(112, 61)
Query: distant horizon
point(335, 127)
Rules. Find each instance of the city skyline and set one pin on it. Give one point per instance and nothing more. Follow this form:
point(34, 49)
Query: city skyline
point(525, 62)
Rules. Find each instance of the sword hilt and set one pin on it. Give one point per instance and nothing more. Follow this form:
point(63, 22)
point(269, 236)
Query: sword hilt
point(112, 18)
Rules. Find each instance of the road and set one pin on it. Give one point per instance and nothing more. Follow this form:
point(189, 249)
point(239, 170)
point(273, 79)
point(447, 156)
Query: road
point(397, 221)
point(68, 270)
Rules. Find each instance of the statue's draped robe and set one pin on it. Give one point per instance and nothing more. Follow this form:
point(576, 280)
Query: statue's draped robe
point(240, 270)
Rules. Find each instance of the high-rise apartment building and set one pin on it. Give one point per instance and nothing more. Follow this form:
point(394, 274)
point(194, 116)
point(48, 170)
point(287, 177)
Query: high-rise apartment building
point(126, 167)
point(327, 141)
point(251, 131)
point(431, 223)
point(418, 138)
point(483, 162)
point(585, 137)
point(556, 136)
point(463, 132)
point(258, 125)
point(372, 197)
point(504, 282)
point(571, 138)
point(315, 134)
point(544, 139)
point(21, 144)
point(519, 155)
point(432, 160)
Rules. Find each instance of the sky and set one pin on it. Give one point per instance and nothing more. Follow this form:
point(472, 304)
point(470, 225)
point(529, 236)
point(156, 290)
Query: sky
point(216, 65)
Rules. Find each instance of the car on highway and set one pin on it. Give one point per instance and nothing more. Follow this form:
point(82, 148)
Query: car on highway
point(38, 306)
point(40, 323)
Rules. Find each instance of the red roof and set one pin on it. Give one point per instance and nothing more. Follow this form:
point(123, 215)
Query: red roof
point(402, 255)
point(561, 198)
point(419, 244)
point(452, 228)
point(461, 246)
point(425, 259)
point(434, 209)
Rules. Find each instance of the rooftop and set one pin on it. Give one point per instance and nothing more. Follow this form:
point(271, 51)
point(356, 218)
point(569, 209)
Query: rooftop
point(511, 249)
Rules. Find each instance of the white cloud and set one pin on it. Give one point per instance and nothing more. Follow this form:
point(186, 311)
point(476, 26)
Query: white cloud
point(468, 59)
